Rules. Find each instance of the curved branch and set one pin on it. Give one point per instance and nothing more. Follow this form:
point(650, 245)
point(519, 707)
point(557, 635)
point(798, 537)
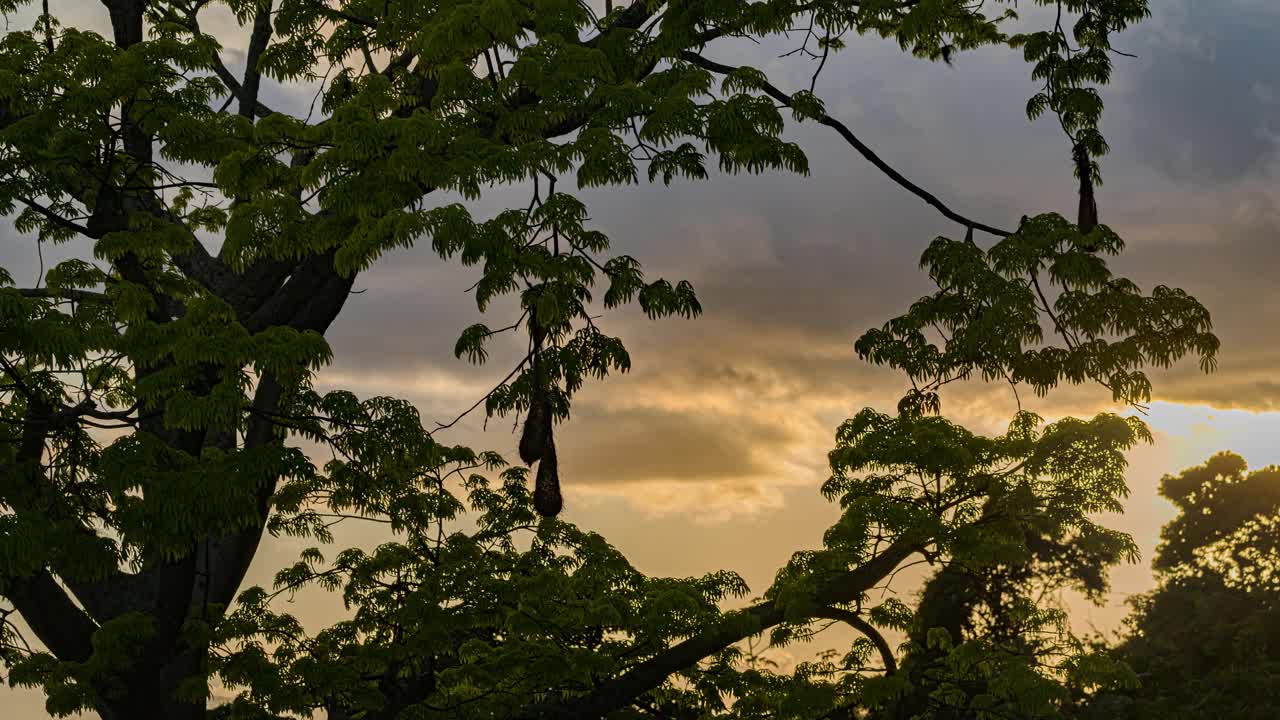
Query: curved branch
point(855, 621)
point(224, 74)
point(648, 675)
point(866, 152)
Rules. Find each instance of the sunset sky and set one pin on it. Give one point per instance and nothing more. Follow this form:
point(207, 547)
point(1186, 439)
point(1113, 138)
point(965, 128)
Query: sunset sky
point(710, 452)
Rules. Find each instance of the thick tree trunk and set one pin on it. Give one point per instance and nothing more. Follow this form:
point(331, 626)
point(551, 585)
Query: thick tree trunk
point(150, 691)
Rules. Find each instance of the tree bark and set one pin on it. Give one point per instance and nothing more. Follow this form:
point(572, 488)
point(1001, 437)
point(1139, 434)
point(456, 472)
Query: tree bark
point(150, 692)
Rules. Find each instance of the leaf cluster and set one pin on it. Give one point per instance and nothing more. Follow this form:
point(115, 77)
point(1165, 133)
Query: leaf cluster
point(992, 307)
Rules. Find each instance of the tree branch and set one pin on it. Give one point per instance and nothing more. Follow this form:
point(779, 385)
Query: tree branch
point(648, 675)
point(258, 40)
point(64, 294)
point(862, 148)
point(858, 623)
point(54, 218)
point(60, 625)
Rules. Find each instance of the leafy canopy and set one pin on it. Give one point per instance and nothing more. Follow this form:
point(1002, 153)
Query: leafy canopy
point(1207, 638)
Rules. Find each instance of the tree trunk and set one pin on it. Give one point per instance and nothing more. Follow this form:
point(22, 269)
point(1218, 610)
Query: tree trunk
point(150, 690)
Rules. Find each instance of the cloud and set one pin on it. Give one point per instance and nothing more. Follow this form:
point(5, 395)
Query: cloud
point(1205, 104)
point(622, 446)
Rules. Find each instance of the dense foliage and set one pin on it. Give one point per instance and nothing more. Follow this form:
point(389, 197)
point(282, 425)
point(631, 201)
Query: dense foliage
point(1207, 640)
point(156, 392)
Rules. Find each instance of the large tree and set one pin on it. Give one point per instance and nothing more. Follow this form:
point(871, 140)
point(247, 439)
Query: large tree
point(156, 391)
point(1206, 641)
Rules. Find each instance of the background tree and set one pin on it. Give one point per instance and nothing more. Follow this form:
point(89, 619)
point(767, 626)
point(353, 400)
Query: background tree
point(1207, 640)
point(193, 330)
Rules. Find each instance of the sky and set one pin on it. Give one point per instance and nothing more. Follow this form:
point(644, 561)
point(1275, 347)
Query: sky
point(710, 452)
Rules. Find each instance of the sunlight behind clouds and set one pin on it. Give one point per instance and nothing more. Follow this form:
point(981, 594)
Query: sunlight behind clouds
point(1185, 436)
point(1194, 432)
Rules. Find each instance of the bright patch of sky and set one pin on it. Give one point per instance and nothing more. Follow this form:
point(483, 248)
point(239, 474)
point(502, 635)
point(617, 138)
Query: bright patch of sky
point(1194, 432)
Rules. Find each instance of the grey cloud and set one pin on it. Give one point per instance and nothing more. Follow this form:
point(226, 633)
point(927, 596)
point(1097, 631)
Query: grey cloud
point(408, 315)
point(620, 446)
point(1207, 103)
point(1228, 392)
point(1227, 259)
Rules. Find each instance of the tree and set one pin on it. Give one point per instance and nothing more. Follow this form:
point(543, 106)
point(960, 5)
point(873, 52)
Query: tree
point(1207, 639)
point(202, 360)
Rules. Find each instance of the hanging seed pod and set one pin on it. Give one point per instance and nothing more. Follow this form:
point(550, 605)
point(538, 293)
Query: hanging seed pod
point(537, 428)
point(546, 490)
point(537, 424)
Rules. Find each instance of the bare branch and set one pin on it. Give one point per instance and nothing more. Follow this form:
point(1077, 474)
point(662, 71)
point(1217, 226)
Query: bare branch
point(861, 147)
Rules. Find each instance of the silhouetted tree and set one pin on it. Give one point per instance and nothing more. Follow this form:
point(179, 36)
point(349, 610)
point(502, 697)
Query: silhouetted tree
point(1206, 642)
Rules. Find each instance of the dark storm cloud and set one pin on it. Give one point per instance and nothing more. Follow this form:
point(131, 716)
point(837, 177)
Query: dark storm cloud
point(1207, 103)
